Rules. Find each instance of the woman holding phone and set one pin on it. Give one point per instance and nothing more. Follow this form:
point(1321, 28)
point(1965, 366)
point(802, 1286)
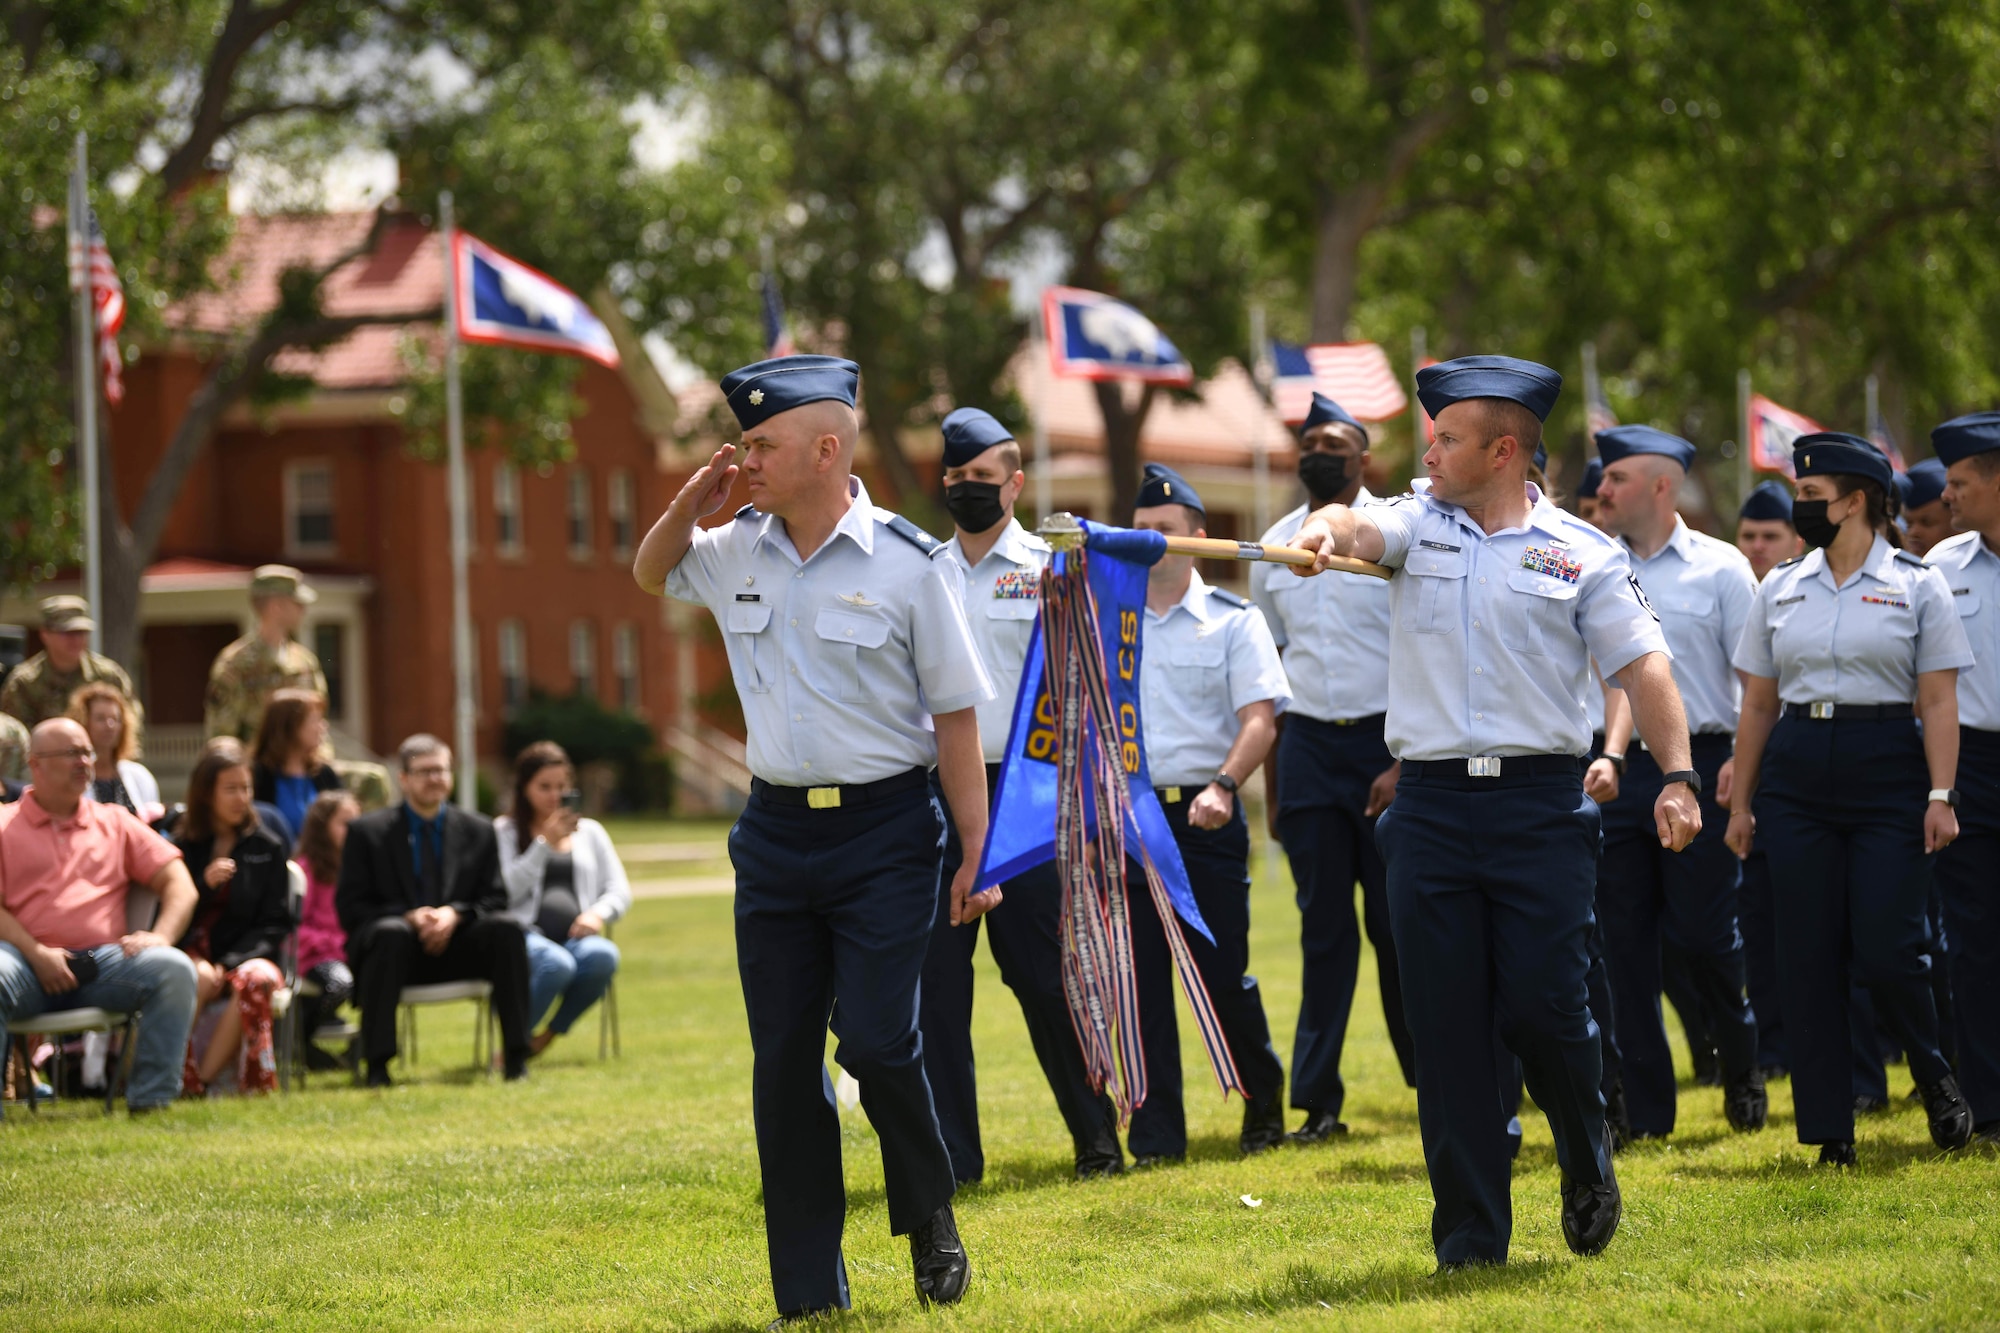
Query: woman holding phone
point(565, 885)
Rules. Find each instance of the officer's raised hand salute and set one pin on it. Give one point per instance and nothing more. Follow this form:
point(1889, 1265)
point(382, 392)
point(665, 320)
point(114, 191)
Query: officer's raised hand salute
point(1847, 795)
point(848, 645)
point(1499, 602)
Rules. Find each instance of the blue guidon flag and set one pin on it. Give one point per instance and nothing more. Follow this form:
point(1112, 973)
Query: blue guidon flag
point(1096, 337)
point(503, 302)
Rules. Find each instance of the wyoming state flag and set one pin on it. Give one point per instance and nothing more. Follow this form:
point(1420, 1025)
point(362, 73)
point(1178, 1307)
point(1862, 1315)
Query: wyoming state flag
point(1022, 832)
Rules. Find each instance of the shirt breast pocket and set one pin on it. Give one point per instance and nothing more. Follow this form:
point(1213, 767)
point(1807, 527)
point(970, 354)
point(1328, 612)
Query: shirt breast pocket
point(1967, 602)
point(1200, 673)
point(748, 621)
point(1698, 606)
point(1013, 608)
point(1538, 611)
point(1436, 602)
point(845, 638)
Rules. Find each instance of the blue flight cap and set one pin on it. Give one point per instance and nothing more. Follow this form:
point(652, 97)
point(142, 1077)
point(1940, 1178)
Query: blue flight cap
point(1962, 437)
point(1923, 484)
point(758, 392)
point(1532, 386)
point(1593, 472)
point(1837, 454)
point(1620, 442)
point(1161, 485)
point(1771, 500)
point(1324, 410)
point(970, 432)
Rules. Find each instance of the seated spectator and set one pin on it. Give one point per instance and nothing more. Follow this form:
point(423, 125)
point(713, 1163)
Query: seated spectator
point(244, 913)
point(118, 778)
point(292, 764)
point(66, 863)
point(422, 902)
point(565, 884)
point(322, 943)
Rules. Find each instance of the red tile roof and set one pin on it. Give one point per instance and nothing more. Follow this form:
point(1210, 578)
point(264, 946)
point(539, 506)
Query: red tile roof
point(405, 272)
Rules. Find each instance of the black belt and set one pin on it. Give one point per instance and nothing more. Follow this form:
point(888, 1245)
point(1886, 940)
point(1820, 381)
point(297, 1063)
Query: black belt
point(840, 798)
point(1373, 720)
point(1495, 766)
point(1824, 712)
point(993, 777)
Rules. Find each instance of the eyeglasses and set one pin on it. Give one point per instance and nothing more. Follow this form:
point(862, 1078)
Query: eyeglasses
point(431, 771)
point(83, 754)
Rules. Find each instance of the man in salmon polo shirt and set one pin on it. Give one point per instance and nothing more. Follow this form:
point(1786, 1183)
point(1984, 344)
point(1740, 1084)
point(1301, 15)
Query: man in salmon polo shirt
point(66, 862)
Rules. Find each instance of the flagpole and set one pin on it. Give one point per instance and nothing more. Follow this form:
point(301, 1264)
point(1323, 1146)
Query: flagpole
point(1872, 397)
point(1260, 458)
point(86, 383)
point(464, 715)
point(1746, 468)
point(1593, 391)
point(1045, 502)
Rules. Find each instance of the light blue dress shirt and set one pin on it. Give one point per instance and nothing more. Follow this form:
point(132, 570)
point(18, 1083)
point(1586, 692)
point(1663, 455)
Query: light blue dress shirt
point(1492, 634)
point(1209, 655)
point(1334, 632)
point(1003, 599)
point(1862, 643)
point(1702, 589)
point(840, 660)
point(1973, 574)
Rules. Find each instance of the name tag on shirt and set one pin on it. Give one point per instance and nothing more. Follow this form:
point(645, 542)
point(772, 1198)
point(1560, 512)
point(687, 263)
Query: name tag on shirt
point(1019, 585)
point(1430, 545)
point(1545, 560)
point(749, 596)
point(1787, 601)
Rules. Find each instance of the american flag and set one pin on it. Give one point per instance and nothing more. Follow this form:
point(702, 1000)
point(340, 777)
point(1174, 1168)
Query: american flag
point(1355, 375)
point(1878, 434)
point(777, 333)
point(92, 263)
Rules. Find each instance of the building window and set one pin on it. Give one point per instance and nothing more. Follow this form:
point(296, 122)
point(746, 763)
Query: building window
point(329, 645)
point(618, 501)
point(513, 665)
point(583, 658)
point(625, 665)
point(309, 508)
point(507, 509)
point(579, 512)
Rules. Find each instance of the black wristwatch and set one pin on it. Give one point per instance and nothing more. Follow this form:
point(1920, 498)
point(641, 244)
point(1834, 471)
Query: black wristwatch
point(1617, 761)
point(1687, 775)
point(1224, 781)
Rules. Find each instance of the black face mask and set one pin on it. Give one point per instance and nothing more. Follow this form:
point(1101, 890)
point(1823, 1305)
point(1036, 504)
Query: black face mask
point(1324, 475)
point(975, 505)
point(1810, 520)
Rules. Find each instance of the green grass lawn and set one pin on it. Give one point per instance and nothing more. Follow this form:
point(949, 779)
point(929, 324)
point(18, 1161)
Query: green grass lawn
point(625, 1195)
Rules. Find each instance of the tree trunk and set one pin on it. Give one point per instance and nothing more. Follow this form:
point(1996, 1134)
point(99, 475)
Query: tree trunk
point(1345, 219)
point(1122, 426)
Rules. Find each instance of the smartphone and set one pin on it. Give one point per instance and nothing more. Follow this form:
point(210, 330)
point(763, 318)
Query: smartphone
point(82, 965)
point(572, 799)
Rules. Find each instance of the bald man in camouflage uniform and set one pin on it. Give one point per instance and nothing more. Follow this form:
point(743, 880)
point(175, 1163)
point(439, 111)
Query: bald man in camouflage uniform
point(40, 687)
point(248, 670)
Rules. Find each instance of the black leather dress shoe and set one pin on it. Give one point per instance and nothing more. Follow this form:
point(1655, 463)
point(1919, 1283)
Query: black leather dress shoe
point(1951, 1117)
point(1745, 1104)
point(1147, 1161)
point(1987, 1135)
point(1865, 1105)
point(938, 1257)
point(1094, 1162)
point(378, 1073)
point(1774, 1072)
point(1617, 1118)
point(1707, 1067)
point(1590, 1214)
point(1263, 1125)
point(1318, 1128)
point(1836, 1154)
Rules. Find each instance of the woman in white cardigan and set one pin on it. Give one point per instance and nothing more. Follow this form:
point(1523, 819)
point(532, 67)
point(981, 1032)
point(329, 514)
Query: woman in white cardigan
point(565, 885)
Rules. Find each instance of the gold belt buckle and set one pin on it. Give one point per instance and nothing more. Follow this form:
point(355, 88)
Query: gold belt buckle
point(823, 798)
point(1819, 711)
point(1173, 795)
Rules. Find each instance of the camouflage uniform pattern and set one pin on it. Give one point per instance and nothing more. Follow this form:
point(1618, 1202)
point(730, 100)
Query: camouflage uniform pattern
point(243, 677)
point(36, 691)
point(13, 749)
point(369, 783)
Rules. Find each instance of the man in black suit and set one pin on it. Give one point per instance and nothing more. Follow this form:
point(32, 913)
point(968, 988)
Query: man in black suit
point(422, 902)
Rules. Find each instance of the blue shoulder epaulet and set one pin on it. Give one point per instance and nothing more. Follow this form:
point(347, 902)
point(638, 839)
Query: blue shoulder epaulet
point(913, 534)
point(747, 511)
point(1909, 558)
point(1229, 598)
point(1793, 561)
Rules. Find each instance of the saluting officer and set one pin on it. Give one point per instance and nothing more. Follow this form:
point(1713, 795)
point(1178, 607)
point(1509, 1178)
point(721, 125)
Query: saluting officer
point(1213, 688)
point(1333, 773)
point(1003, 568)
point(1499, 601)
point(1850, 798)
point(1765, 535)
point(1968, 871)
point(1648, 896)
point(848, 646)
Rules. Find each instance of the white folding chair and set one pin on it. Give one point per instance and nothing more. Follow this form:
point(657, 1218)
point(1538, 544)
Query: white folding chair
point(141, 906)
point(480, 993)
